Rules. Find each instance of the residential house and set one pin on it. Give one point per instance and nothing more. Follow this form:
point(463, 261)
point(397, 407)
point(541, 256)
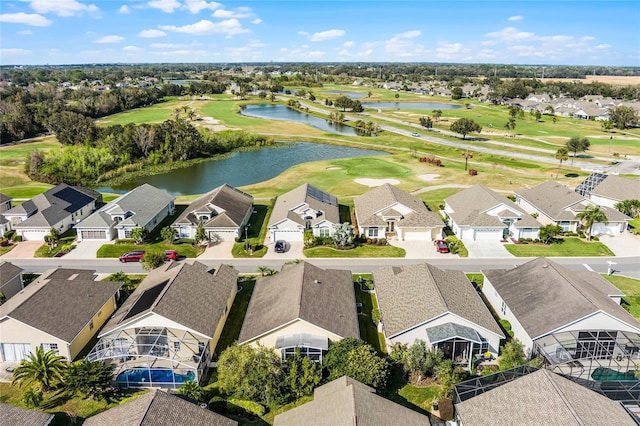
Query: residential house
point(158, 408)
point(60, 311)
point(5, 205)
point(541, 398)
point(303, 208)
point(347, 402)
point(554, 203)
point(571, 319)
point(223, 212)
point(303, 307)
point(144, 207)
point(388, 211)
point(165, 332)
point(478, 213)
point(614, 189)
point(439, 307)
point(10, 279)
point(61, 207)
point(12, 415)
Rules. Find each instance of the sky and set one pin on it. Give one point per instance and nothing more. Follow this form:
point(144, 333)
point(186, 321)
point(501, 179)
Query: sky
point(587, 32)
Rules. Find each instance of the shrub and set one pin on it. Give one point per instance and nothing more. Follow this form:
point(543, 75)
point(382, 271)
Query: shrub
point(4, 242)
point(17, 238)
point(473, 172)
point(242, 406)
point(507, 326)
point(9, 234)
point(218, 404)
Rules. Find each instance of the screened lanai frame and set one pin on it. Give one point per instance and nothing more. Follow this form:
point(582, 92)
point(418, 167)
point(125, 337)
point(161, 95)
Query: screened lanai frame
point(181, 353)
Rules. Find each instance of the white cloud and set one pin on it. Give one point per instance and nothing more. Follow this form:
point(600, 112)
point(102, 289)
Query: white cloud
point(167, 6)
point(229, 27)
point(124, 9)
point(602, 46)
point(62, 7)
point(25, 32)
point(522, 50)
point(349, 44)
point(365, 53)
point(195, 6)
point(516, 18)
point(151, 33)
point(181, 52)
point(256, 21)
point(449, 51)
point(164, 46)
point(303, 33)
point(369, 44)
point(131, 49)
point(110, 39)
point(587, 38)
point(402, 45)
point(284, 49)
point(327, 35)
point(316, 54)
point(12, 51)
point(510, 34)
point(32, 19)
point(226, 14)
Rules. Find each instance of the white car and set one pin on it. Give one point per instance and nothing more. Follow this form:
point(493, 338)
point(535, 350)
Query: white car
point(415, 135)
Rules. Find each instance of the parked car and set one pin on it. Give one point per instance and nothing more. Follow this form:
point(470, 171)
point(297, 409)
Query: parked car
point(415, 135)
point(441, 246)
point(171, 255)
point(280, 247)
point(132, 256)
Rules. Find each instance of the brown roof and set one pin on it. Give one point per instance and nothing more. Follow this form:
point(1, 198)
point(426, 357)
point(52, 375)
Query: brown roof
point(414, 294)
point(305, 194)
point(384, 199)
point(347, 402)
point(544, 295)
point(542, 398)
point(60, 303)
point(192, 295)
point(230, 205)
point(158, 408)
point(323, 297)
point(618, 188)
point(17, 416)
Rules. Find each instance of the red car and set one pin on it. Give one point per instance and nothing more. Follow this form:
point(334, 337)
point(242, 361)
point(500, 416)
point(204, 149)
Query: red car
point(441, 246)
point(132, 256)
point(171, 255)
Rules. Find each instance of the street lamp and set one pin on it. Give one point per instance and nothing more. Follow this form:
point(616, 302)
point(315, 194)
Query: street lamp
point(246, 239)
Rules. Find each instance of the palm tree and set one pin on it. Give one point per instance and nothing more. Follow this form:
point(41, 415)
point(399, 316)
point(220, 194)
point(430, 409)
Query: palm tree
point(32, 397)
point(437, 113)
point(263, 270)
point(629, 207)
point(590, 216)
point(562, 154)
point(43, 369)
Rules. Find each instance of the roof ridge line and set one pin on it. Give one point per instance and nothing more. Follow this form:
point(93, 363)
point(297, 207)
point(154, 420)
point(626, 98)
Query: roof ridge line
point(563, 397)
point(146, 411)
point(435, 284)
point(553, 265)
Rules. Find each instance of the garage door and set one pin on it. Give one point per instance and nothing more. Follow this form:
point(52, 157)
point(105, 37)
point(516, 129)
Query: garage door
point(413, 236)
point(287, 235)
point(15, 351)
point(92, 235)
point(601, 228)
point(488, 235)
point(34, 235)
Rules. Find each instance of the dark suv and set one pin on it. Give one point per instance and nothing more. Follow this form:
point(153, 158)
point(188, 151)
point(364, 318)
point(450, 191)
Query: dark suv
point(280, 247)
point(132, 256)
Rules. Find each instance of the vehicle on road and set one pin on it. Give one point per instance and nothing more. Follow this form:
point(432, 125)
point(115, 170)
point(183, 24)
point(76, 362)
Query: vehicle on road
point(441, 246)
point(132, 256)
point(415, 135)
point(171, 255)
point(280, 247)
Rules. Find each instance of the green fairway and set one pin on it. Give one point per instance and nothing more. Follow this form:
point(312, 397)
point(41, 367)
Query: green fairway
point(567, 247)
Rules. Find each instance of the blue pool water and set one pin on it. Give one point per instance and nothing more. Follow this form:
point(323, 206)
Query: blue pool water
point(156, 375)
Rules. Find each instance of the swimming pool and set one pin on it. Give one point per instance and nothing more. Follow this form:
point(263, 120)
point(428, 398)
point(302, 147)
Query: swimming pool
point(146, 376)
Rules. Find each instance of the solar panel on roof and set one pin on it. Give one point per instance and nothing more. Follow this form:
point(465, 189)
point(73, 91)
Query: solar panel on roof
point(322, 196)
point(146, 300)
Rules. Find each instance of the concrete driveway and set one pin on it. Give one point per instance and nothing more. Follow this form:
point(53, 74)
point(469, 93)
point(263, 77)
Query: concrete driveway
point(622, 245)
point(86, 249)
point(486, 248)
point(23, 250)
point(294, 251)
point(419, 249)
point(221, 250)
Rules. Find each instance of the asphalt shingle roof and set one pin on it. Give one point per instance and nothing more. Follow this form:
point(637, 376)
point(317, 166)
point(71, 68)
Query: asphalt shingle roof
point(158, 408)
point(234, 203)
point(8, 271)
point(618, 188)
point(324, 297)
point(16, 416)
point(347, 402)
point(544, 295)
point(192, 295)
point(414, 294)
point(305, 194)
point(542, 398)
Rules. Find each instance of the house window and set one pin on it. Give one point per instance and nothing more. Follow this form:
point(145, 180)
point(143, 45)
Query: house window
point(91, 325)
point(324, 232)
point(204, 218)
point(503, 308)
point(391, 226)
point(373, 232)
point(50, 347)
point(176, 346)
point(127, 233)
point(484, 345)
point(307, 222)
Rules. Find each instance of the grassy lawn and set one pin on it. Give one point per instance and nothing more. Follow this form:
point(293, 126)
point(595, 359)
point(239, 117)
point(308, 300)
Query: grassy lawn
point(566, 247)
point(631, 288)
point(477, 278)
point(368, 330)
point(256, 234)
point(7, 249)
point(359, 251)
point(413, 397)
point(116, 250)
point(45, 250)
point(232, 326)
point(635, 225)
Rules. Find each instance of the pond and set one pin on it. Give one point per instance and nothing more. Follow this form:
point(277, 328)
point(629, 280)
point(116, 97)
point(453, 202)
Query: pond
point(352, 95)
point(282, 112)
point(409, 105)
point(241, 168)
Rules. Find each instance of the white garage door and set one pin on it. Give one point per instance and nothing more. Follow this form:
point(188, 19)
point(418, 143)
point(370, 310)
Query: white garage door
point(417, 236)
point(488, 234)
point(15, 351)
point(34, 235)
point(287, 235)
point(601, 228)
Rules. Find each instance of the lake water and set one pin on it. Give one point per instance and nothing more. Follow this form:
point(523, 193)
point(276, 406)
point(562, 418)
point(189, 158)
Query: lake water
point(352, 95)
point(282, 112)
point(241, 168)
point(409, 105)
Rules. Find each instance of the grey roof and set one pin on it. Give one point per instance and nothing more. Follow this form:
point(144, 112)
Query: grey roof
point(60, 303)
point(542, 398)
point(305, 194)
point(17, 416)
point(347, 402)
point(618, 188)
point(559, 202)
point(449, 330)
point(544, 295)
point(411, 295)
point(158, 408)
point(324, 297)
point(144, 202)
point(369, 205)
point(470, 204)
point(192, 295)
point(233, 204)
point(50, 207)
point(4, 198)
point(8, 271)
